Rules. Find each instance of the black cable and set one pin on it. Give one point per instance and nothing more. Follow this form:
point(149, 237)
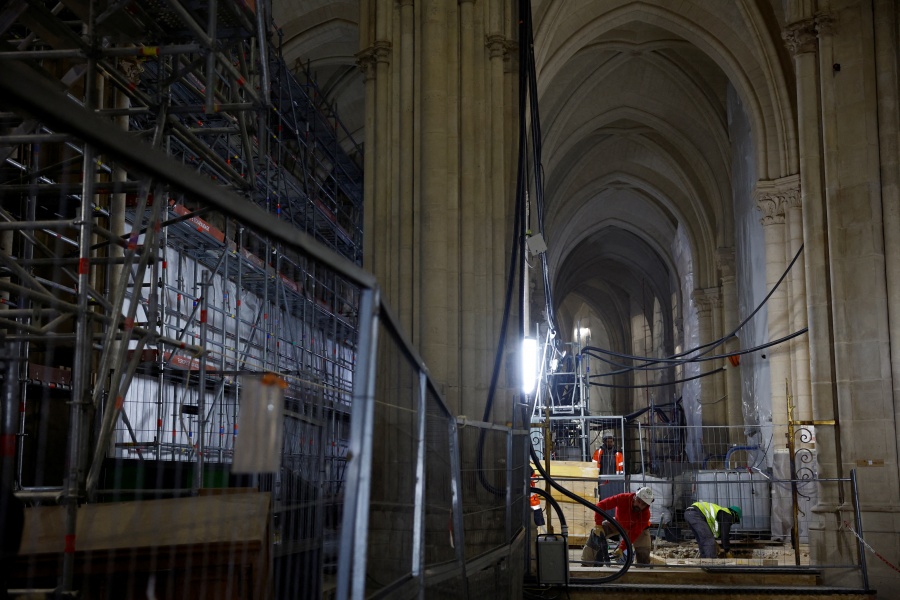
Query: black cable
point(630, 557)
point(552, 501)
point(515, 267)
point(710, 345)
point(537, 159)
point(696, 359)
point(708, 373)
point(650, 385)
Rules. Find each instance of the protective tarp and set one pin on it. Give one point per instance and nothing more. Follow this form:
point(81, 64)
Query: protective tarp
point(750, 268)
point(690, 390)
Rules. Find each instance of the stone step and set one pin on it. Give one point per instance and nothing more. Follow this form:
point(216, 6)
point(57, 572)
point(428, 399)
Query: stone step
point(671, 591)
point(700, 576)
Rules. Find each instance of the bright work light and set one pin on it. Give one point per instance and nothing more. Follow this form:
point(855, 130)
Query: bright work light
point(529, 364)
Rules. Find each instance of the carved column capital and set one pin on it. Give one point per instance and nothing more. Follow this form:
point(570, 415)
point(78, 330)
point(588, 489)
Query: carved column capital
point(368, 58)
point(825, 23)
point(706, 299)
point(496, 44)
point(725, 262)
point(774, 195)
point(365, 62)
point(800, 37)
point(382, 49)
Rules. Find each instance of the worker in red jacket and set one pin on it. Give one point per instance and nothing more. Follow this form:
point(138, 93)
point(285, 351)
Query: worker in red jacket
point(632, 511)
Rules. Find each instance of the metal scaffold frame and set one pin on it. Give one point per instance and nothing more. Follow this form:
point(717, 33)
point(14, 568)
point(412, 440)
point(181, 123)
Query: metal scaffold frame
point(138, 306)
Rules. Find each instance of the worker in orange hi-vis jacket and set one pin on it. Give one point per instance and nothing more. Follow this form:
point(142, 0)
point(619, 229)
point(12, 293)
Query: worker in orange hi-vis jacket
point(610, 466)
point(609, 461)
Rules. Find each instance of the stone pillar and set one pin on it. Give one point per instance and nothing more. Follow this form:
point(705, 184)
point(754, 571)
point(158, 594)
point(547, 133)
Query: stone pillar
point(734, 410)
point(858, 266)
point(796, 286)
point(801, 41)
point(439, 181)
point(885, 18)
point(470, 203)
point(499, 215)
point(770, 198)
point(408, 302)
point(846, 275)
point(438, 276)
point(366, 63)
point(886, 34)
point(707, 302)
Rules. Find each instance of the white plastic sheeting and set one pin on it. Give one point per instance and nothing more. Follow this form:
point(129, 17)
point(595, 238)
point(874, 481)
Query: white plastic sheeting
point(750, 282)
point(746, 489)
point(290, 345)
point(750, 266)
point(690, 390)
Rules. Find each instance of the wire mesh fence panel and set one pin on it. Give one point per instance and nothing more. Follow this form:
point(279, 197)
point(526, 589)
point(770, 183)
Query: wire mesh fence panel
point(483, 455)
point(394, 461)
point(153, 265)
point(440, 543)
point(773, 493)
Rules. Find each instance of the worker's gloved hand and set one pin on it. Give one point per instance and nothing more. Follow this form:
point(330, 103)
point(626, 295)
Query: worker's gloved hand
point(598, 531)
point(617, 554)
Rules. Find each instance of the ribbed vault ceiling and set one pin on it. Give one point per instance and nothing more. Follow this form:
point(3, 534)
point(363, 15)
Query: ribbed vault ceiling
point(634, 112)
point(635, 116)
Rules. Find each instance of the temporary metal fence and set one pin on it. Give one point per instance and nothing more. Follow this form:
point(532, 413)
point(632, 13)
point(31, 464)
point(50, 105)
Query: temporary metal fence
point(133, 332)
point(142, 305)
point(427, 508)
point(778, 511)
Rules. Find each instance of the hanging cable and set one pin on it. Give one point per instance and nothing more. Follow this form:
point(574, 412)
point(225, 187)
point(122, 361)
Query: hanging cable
point(598, 352)
point(650, 361)
point(537, 161)
point(515, 267)
point(636, 386)
point(608, 517)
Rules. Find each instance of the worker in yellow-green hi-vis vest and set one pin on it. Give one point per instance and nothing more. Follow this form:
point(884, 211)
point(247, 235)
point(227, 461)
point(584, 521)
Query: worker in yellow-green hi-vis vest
point(709, 521)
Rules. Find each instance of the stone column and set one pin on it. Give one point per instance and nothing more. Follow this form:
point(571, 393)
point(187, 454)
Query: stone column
point(734, 411)
point(408, 301)
point(864, 410)
point(770, 198)
point(470, 203)
point(827, 544)
point(366, 63)
point(885, 17)
point(886, 34)
point(802, 43)
point(499, 217)
point(796, 286)
point(707, 302)
point(436, 227)
point(439, 250)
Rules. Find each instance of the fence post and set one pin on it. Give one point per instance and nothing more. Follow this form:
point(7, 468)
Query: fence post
point(859, 530)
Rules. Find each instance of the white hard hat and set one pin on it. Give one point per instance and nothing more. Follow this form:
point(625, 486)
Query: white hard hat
point(607, 433)
point(645, 494)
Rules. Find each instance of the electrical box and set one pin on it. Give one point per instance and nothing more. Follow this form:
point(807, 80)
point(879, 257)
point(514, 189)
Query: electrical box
point(552, 559)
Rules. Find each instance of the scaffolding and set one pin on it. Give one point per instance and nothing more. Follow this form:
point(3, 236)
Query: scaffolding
point(562, 402)
point(132, 311)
